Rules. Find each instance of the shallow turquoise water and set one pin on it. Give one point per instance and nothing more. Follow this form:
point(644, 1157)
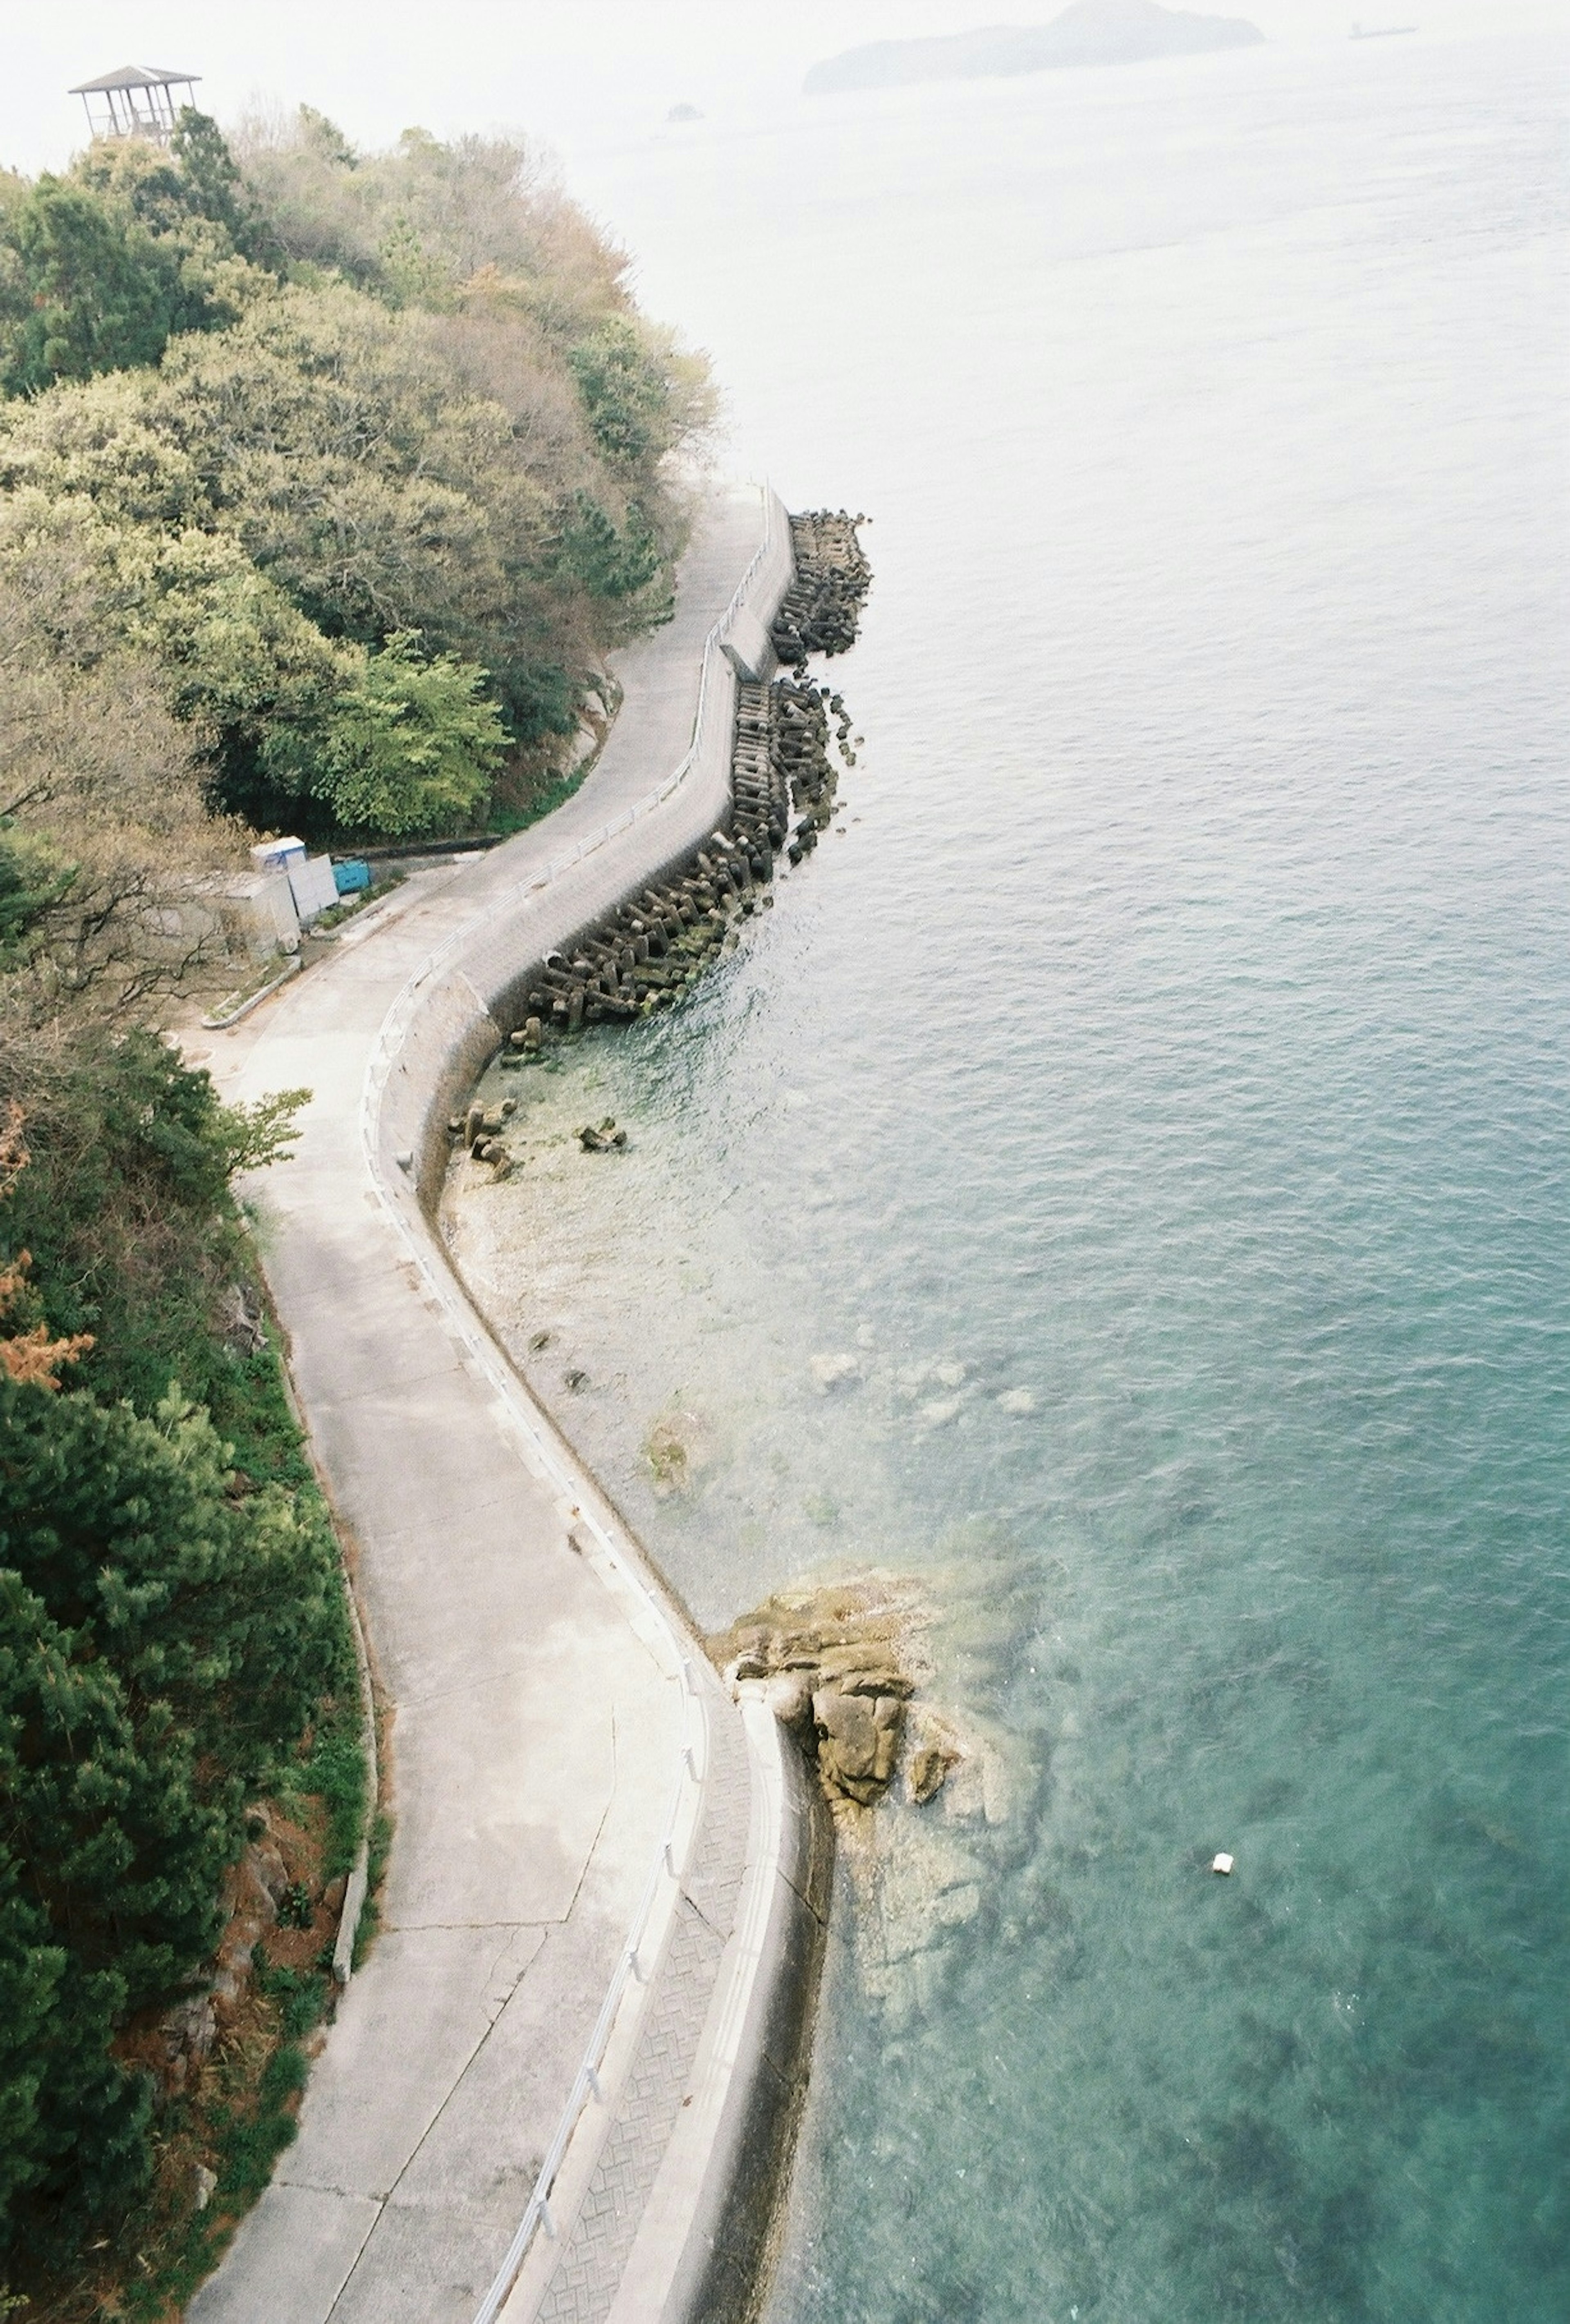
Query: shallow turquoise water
point(1176, 1043)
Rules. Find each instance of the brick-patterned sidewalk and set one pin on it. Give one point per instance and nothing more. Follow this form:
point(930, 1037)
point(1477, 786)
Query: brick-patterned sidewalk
point(595, 2255)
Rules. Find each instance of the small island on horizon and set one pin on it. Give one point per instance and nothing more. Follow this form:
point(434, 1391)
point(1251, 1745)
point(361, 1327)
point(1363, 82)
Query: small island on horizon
point(1088, 32)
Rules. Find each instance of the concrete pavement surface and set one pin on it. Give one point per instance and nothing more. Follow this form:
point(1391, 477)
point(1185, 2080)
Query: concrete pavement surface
point(552, 1723)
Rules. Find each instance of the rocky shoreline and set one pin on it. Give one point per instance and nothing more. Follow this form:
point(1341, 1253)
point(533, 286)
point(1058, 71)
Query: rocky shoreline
point(840, 1664)
point(789, 741)
point(785, 769)
point(820, 613)
point(918, 1805)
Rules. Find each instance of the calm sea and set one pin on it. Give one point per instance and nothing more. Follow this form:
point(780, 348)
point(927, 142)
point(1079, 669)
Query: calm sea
point(1160, 1093)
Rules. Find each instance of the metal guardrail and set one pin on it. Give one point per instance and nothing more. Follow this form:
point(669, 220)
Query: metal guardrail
point(554, 1458)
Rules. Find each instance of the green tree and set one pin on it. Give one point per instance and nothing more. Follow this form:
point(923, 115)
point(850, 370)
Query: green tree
point(160, 1642)
point(192, 182)
point(608, 563)
point(94, 290)
point(32, 883)
point(74, 2122)
point(411, 746)
point(31, 1970)
point(210, 182)
point(625, 393)
point(124, 1204)
point(100, 268)
point(244, 664)
point(208, 1611)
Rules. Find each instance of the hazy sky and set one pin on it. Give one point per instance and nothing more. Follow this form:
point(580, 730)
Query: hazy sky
point(573, 72)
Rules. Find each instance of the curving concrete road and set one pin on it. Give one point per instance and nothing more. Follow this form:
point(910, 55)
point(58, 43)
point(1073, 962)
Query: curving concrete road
point(561, 1757)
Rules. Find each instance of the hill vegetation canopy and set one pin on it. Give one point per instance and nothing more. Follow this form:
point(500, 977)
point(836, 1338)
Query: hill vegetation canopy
point(327, 481)
point(364, 462)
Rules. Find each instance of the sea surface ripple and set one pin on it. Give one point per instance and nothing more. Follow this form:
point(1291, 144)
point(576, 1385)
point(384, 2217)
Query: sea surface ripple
point(1161, 1091)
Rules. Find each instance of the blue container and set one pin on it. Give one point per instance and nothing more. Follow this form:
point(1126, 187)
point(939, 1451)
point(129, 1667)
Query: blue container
point(351, 879)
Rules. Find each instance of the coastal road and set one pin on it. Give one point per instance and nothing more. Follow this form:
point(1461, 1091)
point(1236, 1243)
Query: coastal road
point(543, 1699)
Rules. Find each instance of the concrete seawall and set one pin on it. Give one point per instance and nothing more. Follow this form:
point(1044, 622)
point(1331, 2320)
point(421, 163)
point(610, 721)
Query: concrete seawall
point(453, 1015)
point(562, 2084)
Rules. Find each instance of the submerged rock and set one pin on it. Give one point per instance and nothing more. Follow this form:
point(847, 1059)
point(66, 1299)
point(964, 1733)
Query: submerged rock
point(935, 1749)
point(678, 1448)
point(858, 1740)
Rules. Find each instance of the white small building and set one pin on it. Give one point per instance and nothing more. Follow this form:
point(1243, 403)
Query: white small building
point(310, 876)
point(312, 886)
point(277, 854)
point(255, 909)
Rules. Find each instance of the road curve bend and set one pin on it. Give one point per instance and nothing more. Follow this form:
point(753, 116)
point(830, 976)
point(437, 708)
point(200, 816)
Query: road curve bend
point(561, 2085)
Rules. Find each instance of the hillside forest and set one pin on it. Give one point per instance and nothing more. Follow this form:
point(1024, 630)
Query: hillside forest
point(328, 482)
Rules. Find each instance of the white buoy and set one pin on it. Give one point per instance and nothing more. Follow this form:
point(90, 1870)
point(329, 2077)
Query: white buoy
point(1221, 1864)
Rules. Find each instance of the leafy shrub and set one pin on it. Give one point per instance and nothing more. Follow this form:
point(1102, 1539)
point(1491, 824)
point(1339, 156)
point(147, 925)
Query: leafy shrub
point(125, 1209)
point(171, 1618)
point(409, 746)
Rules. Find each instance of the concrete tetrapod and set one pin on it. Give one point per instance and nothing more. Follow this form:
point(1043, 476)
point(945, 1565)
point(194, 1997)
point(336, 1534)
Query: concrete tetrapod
point(565, 1769)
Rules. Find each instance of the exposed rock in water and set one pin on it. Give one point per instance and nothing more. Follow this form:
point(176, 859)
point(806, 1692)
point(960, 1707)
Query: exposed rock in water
point(933, 1752)
point(840, 1665)
point(678, 1448)
point(821, 610)
point(845, 1666)
point(603, 1139)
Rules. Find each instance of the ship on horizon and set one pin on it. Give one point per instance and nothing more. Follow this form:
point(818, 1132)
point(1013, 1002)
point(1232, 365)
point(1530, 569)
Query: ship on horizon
point(1382, 31)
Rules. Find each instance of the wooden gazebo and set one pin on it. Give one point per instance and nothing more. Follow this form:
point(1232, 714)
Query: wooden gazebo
point(137, 101)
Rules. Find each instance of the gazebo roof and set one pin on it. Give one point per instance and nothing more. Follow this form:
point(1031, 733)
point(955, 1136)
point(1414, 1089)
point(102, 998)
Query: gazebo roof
point(135, 77)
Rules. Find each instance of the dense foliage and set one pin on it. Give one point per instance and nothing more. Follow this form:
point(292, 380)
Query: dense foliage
point(98, 271)
point(347, 451)
point(160, 1642)
point(326, 482)
point(171, 1611)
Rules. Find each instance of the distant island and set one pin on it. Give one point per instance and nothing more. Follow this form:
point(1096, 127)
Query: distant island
point(1090, 32)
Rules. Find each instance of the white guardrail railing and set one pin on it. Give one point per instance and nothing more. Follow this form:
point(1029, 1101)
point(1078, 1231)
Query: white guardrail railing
point(550, 1453)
